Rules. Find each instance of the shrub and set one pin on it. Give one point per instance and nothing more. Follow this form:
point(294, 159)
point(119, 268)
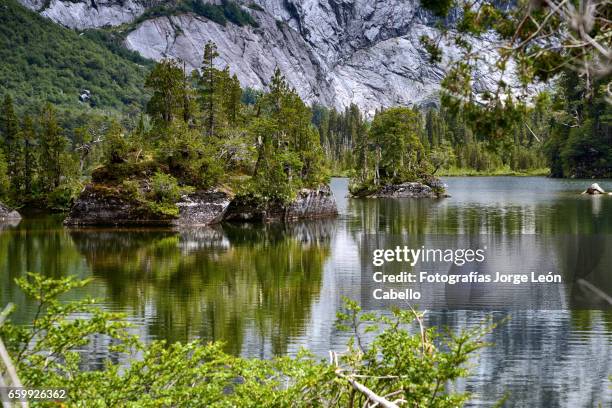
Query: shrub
point(237, 15)
point(165, 188)
point(212, 12)
point(386, 354)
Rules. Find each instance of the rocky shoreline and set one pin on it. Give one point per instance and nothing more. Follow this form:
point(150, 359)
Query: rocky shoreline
point(201, 208)
point(414, 189)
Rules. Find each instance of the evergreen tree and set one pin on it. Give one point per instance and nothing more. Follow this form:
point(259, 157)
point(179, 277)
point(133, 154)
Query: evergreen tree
point(13, 146)
point(5, 183)
point(210, 89)
point(233, 95)
point(398, 149)
point(29, 156)
point(167, 81)
point(52, 146)
point(289, 149)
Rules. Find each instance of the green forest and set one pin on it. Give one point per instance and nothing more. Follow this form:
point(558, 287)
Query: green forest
point(196, 133)
point(188, 131)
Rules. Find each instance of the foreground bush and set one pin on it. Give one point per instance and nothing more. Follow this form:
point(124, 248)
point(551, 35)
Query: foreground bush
point(394, 367)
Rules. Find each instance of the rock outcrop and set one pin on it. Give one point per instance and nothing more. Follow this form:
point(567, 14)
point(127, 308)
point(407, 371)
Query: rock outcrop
point(433, 188)
point(90, 13)
point(97, 207)
point(310, 203)
point(203, 208)
point(334, 52)
point(406, 190)
point(7, 214)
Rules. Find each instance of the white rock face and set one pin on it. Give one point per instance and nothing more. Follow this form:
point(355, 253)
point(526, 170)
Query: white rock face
point(88, 14)
point(335, 52)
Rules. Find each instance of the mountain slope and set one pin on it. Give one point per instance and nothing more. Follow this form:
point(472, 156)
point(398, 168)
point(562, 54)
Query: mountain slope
point(334, 52)
point(42, 61)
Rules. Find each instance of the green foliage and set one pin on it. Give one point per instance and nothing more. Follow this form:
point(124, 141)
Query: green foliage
point(439, 7)
point(43, 61)
point(211, 11)
point(228, 10)
point(189, 158)
point(289, 155)
point(200, 134)
point(441, 156)
point(116, 146)
point(52, 146)
point(400, 357)
point(28, 145)
point(114, 43)
point(5, 182)
point(62, 197)
point(13, 146)
point(342, 135)
point(168, 84)
point(580, 145)
point(165, 188)
point(392, 152)
point(398, 151)
point(165, 192)
point(234, 13)
point(540, 42)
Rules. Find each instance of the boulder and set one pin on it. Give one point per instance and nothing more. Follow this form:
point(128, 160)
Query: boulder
point(202, 208)
point(100, 206)
point(594, 189)
point(7, 214)
point(309, 203)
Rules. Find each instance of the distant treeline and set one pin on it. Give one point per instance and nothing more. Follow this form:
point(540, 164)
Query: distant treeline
point(566, 130)
point(452, 144)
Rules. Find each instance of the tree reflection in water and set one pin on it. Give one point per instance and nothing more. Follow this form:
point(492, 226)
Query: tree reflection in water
point(223, 283)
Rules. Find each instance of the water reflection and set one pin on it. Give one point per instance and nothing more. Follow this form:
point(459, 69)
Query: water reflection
point(271, 289)
point(213, 284)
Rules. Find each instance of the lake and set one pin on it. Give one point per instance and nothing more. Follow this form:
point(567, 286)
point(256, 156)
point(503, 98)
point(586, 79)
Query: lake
point(267, 290)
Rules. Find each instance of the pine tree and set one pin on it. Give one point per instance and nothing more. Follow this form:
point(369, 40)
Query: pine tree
point(167, 81)
point(52, 145)
point(29, 156)
point(5, 184)
point(13, 146)
point(209, 88)
point(233, 94)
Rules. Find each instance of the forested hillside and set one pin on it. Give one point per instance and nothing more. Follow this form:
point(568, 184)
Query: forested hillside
point(41, 62)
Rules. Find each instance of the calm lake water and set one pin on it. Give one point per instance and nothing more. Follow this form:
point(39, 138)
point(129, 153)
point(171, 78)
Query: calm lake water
point(269, 290)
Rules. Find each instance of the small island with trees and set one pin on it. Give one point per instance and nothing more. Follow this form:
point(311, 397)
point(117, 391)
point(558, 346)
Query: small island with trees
point(392, 161)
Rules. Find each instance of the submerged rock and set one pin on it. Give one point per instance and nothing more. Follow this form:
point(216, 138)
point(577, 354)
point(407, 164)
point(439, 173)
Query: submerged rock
point(309, 203)
point(98, 205)
point(7, 214)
